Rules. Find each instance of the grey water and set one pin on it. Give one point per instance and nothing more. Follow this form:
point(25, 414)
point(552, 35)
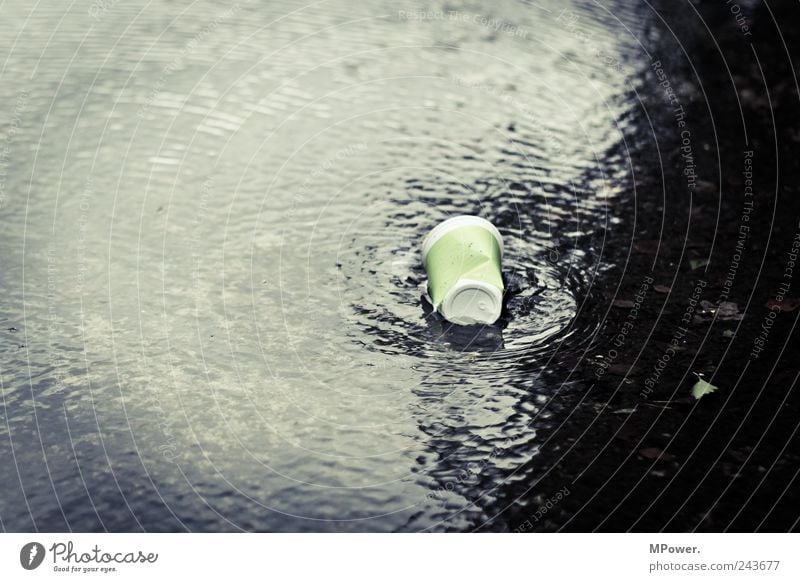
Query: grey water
point(211, 287)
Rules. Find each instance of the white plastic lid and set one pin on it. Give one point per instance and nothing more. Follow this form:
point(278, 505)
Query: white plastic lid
point(455, 222)
point(470, 302)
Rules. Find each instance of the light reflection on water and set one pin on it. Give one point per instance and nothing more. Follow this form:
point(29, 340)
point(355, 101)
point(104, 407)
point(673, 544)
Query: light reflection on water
point(219, 213)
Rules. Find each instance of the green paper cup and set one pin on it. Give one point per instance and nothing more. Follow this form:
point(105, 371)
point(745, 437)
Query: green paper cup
point(462, 258)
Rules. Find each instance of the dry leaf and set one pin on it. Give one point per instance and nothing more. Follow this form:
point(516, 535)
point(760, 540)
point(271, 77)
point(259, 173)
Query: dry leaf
point(701, 388)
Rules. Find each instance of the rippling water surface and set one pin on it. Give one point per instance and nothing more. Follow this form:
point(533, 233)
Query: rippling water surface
point(216, 213)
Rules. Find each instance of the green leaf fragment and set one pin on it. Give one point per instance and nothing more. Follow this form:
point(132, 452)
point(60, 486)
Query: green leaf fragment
point(697, 263)
point(701, 388)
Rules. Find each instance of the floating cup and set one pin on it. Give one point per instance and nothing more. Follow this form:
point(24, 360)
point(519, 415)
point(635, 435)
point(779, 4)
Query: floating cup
point(462, 258)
